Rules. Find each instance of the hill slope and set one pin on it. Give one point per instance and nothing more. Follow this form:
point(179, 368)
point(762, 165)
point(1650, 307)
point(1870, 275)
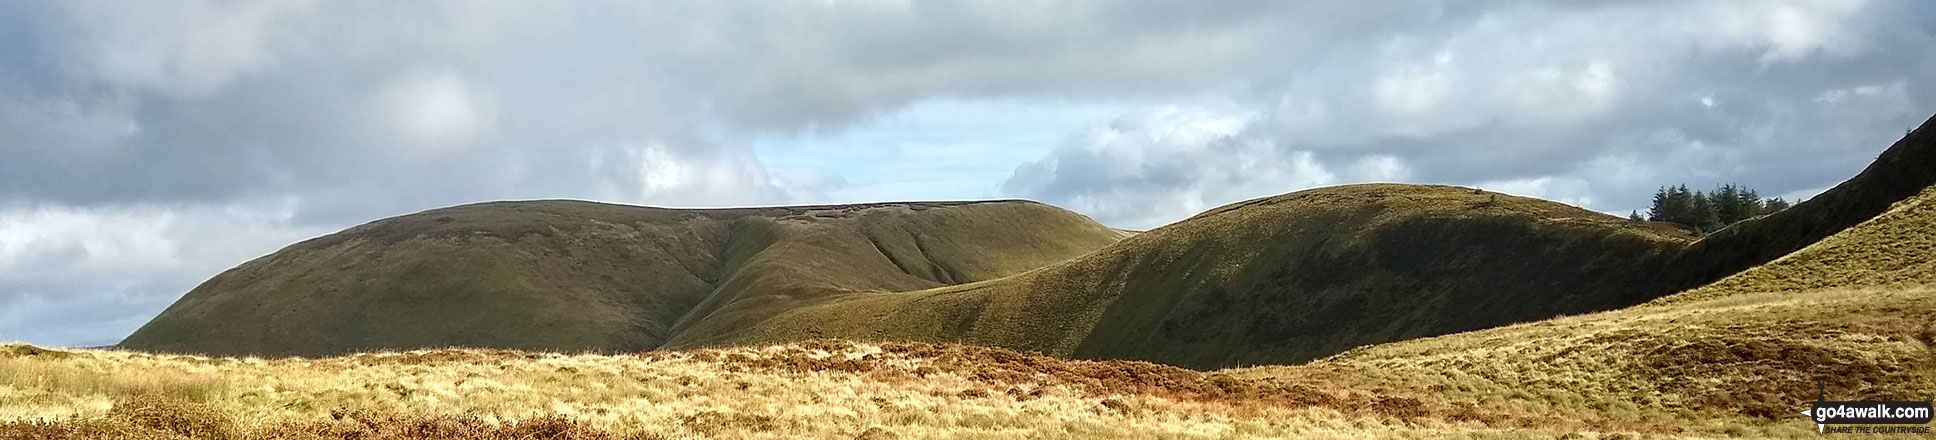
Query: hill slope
point(1905, 169)
point(1896, 248)
point(1280, 279)
point(566, 275)
point(1852, 311)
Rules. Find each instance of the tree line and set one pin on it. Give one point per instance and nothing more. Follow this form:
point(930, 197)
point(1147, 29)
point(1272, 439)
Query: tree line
point(1708, 211)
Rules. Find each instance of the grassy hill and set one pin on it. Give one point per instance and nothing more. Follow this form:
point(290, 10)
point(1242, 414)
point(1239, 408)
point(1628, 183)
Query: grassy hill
point(1280, 279)
point(567, 275)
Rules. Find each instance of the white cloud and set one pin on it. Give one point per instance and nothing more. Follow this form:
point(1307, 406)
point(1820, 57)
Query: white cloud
point(438, 109)
point(1413, 91)
point(1786, 31)
point(661, 173)
point(1155, 166)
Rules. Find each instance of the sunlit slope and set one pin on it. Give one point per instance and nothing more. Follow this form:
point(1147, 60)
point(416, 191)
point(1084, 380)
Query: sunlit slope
point(1897, 248)
point(567, 275)
point(1283, 279)
point(813, 389)
point(1708, 362)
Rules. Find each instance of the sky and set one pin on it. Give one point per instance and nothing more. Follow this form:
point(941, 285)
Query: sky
point(145, 146)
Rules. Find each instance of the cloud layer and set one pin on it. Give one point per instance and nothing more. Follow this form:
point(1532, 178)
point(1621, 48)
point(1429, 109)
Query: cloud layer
point(145, 146)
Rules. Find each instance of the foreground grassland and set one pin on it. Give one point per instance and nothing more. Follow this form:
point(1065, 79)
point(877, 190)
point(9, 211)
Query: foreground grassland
point(1729, 367)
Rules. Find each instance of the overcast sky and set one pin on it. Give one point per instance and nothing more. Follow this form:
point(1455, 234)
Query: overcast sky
point(147, 145)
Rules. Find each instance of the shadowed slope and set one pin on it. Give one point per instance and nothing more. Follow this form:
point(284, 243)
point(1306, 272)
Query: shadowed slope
point(1283, 279)
point(566, 275)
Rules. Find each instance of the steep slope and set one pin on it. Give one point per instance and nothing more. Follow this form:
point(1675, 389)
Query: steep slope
point(1852, 311)
point(1280, 279)
point(566, 275)
point(1896, 248)
point(1900, 172)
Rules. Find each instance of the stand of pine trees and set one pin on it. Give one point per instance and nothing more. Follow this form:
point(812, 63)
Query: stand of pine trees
point(1709, 211)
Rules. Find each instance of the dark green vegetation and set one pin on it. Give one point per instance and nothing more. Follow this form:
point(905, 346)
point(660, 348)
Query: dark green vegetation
point(1273, 280)
point(565, 275)
point(1709, 211)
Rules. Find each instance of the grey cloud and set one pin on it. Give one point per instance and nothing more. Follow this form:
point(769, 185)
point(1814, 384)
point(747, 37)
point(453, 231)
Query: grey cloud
point(1592, 103)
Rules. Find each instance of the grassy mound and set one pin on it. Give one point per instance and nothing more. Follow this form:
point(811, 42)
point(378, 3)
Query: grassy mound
point(1282, 279)
point(566, 275)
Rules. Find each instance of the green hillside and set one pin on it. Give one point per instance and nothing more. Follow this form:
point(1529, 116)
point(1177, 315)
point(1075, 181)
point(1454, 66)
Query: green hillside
point(567, 275)
point(1280, 279)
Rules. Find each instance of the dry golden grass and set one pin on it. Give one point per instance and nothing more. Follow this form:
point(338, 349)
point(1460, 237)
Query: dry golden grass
point(813, 390)
point(1731, 367)
point(1740, 365)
